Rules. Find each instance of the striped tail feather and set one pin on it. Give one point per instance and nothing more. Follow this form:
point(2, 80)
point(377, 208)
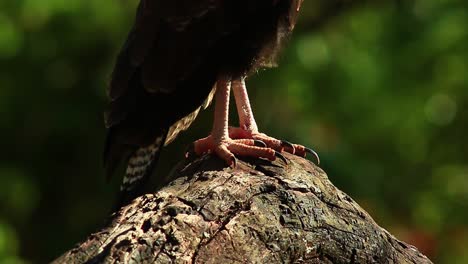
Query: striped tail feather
point(140, 166)
point(142, 161)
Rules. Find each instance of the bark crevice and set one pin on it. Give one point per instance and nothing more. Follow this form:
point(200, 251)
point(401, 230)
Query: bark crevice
point(259, 212)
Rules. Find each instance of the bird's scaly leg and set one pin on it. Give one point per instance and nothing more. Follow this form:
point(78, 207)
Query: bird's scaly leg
point(248, 127)
point(219, 141)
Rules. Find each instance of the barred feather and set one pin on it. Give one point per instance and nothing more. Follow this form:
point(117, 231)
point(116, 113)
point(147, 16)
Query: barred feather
point(139, 169)
point(139, 164)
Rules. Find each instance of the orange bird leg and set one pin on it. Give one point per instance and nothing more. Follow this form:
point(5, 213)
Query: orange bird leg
point(219, 142)
point(248, 128)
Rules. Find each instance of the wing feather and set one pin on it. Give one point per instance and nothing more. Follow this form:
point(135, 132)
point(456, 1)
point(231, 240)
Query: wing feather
point(184, 123)
point(158, 44)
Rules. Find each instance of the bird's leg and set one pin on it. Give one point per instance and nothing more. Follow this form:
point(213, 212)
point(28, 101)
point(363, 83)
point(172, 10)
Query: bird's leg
point(219, 141)
point(246, 118)
point(248, 127)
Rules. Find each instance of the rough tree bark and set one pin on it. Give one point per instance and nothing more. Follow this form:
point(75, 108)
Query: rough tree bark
point(259, 212)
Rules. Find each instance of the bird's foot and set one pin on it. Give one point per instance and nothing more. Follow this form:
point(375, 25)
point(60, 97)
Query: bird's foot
point(273, 143)
point(228, 148)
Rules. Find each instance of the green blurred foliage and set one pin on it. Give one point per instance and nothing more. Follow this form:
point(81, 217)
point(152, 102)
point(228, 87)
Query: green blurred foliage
point(379, 91)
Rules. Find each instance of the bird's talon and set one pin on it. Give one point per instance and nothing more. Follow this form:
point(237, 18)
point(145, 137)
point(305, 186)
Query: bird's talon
point(289, 145)
point(280, 156)
point(259, 143)
point(233, 163)
point(312, 152)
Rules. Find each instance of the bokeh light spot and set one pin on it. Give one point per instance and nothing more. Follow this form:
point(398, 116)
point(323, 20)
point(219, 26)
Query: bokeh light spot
point(11, 38)
point(312, 51)
point(440, 109)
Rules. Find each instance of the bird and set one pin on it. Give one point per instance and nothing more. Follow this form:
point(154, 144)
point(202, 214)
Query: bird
point(179, 56)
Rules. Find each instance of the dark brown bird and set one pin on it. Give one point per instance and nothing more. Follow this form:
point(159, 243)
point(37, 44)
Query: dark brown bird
point(177, 57)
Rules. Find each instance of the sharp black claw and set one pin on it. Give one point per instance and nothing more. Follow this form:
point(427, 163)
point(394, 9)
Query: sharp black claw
point(285, 143)
point(234, 163)
point(259, 143)
point(312, 152)
point(280, 156)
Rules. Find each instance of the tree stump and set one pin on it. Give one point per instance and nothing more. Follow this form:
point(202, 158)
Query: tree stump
point(258, 212)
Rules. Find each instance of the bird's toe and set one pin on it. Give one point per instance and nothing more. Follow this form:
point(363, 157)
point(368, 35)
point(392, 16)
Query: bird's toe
point(265, 141)
point(228, 149)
